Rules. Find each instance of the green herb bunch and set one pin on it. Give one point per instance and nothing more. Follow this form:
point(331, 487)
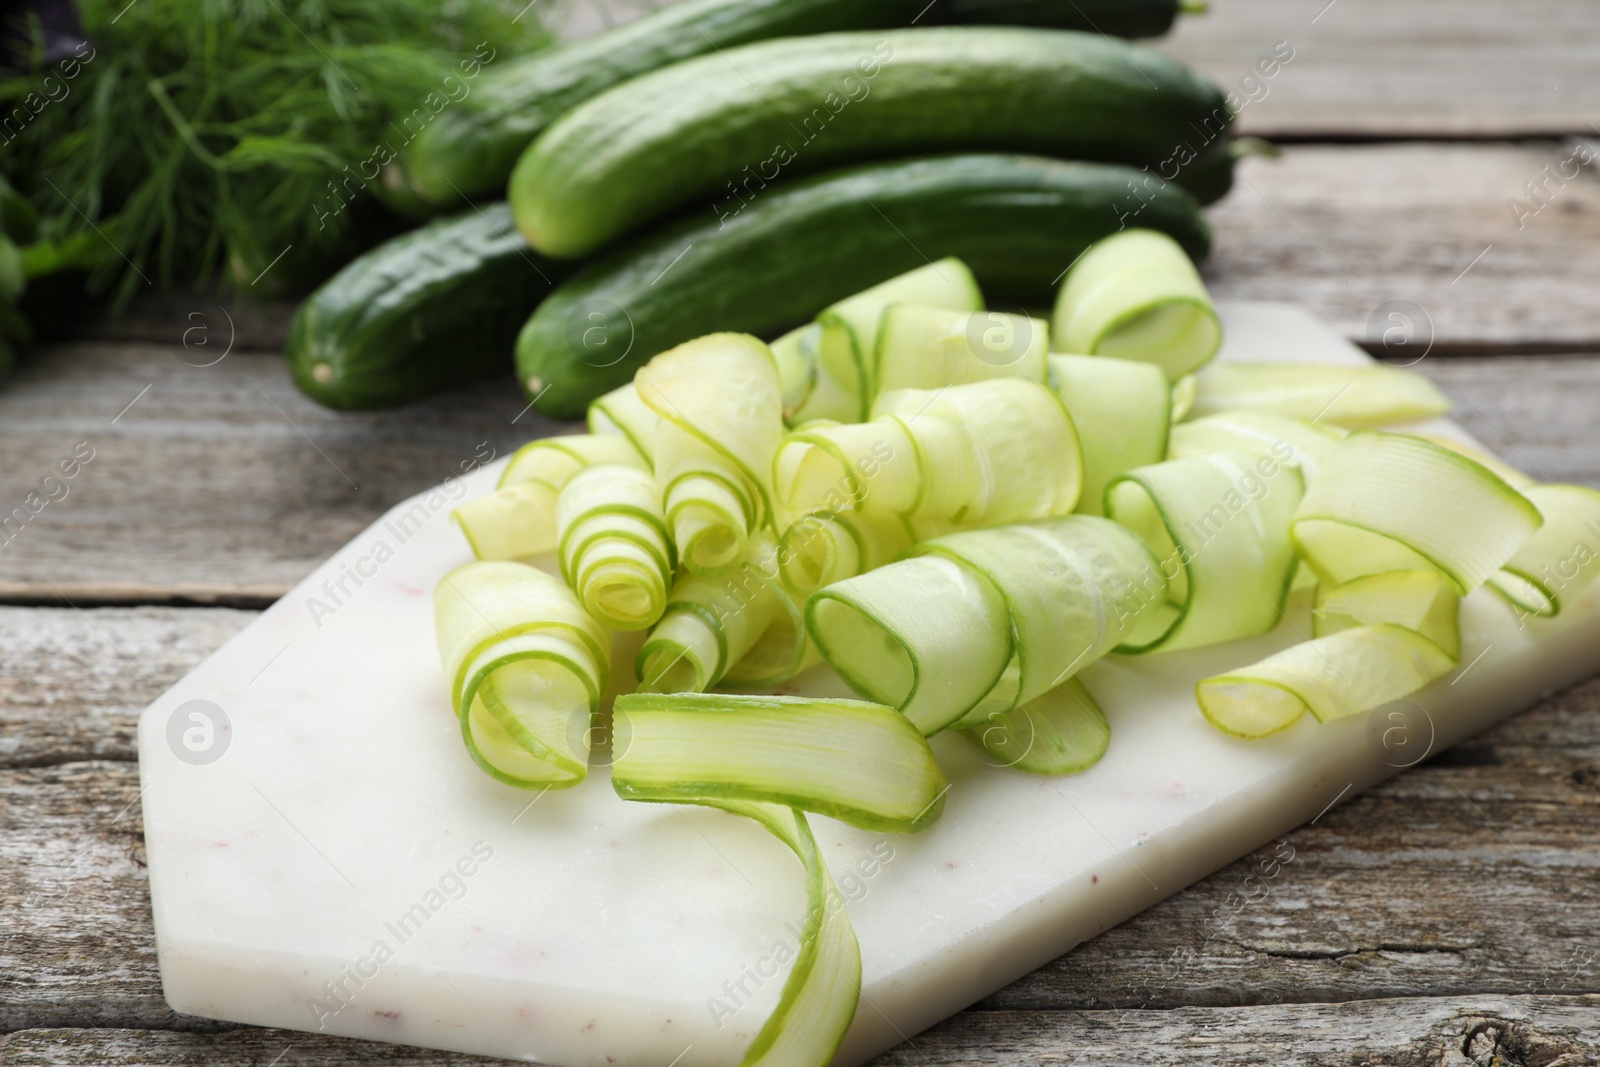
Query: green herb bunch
point(198, 135)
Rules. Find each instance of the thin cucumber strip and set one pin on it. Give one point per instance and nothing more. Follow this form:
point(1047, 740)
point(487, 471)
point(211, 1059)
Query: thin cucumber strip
point(1122, 411)
point(687, 652)
point(1562, 558)
point(708, 510)
point(1136, 295)
point(1422, 601)
point(721, 408)
point(829, 466)
point(1219, 524)
point(945, 283)
point(526, 665)
point(851, 760)
point(1513, 477)
point(926, 636)
point(1333, 677)
point(613, 545)
point(518, 520)
point(999, 701)
point(744, 629)
point(554, 460)
point(621, 412)
point(782, 648)
point(825, 547)
point(921, 347)
point(1074, 588)
point(1301, 443)
point(828, 368)
point(797, 358)
point(1386, 501)
point(1355, 397)
point(1184, 392)
point(990, 452)
point(1397, 528)
point(820, 995)
point(1061, 732)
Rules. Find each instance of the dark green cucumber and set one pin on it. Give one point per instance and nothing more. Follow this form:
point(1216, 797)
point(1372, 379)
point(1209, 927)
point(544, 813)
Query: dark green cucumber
point(434, 308)
point(469, 150)
point(1120, 18)
point(1017, 221)
point(709, 134)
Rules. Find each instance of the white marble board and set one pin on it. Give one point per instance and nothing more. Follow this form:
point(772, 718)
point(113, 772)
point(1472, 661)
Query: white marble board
point(287, 845)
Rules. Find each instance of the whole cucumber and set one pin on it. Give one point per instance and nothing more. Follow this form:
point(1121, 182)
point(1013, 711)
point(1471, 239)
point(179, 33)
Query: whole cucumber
point(470, 149)
point(1018, 221)
point(710, 134)
point(1119, 18)
point(433, 308)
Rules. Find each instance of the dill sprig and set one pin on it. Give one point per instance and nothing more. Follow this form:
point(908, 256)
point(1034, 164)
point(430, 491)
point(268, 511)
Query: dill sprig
point(218, 134)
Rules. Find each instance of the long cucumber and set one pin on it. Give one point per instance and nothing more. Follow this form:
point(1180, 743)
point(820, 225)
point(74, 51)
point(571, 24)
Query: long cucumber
point(469, 150)
point(1017, 221)
point(711, 135)
point(431, 309)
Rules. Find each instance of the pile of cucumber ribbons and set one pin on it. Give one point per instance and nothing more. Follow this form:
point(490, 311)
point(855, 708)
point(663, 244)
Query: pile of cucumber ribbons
point(737, 164)
point(958, 511)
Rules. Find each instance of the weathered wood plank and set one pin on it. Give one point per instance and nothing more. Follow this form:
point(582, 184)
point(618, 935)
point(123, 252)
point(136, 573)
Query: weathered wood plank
point(1471, 1031)
point(72, 683)
point(1347, 230)
point(1402, 68)
point(218, 482)
point(1407, 890)
point(1531, 411)
point(224, 484)
point(1474, 1031)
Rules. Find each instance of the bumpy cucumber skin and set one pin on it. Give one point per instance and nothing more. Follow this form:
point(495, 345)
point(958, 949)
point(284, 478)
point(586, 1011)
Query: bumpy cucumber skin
point(695, 134)
point(1121, 18)
point(471, 148)
point(1017, 221)
point(431, 309)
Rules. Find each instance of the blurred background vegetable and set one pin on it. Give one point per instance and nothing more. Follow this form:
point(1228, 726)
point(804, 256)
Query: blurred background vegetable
point(164, 141)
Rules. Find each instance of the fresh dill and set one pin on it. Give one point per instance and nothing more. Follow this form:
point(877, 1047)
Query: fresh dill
point(184, 137)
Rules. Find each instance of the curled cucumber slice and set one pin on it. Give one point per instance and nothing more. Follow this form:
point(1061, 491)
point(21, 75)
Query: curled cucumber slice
point(526, 665)
point(1136, 295)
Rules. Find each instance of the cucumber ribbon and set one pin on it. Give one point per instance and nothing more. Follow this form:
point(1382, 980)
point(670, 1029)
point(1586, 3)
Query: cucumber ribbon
point(745, 630)
point(771, 759)
point(827, 367)
point(518, 520)
point(1354, 397)
point(983, 630)
point(1396, 529)
point(980, 454)
point(721, 421)
point(1136, 295)
point(526, 665)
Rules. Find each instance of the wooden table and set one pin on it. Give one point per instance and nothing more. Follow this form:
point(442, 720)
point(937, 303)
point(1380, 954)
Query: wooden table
point(1446, 918)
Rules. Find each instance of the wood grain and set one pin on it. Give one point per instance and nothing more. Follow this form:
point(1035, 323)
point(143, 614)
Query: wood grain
point(1476, 1031)
point(1347, 230)
point(217, 483)
point(1382, 68)
point(72, 683)
point(1473, 872)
